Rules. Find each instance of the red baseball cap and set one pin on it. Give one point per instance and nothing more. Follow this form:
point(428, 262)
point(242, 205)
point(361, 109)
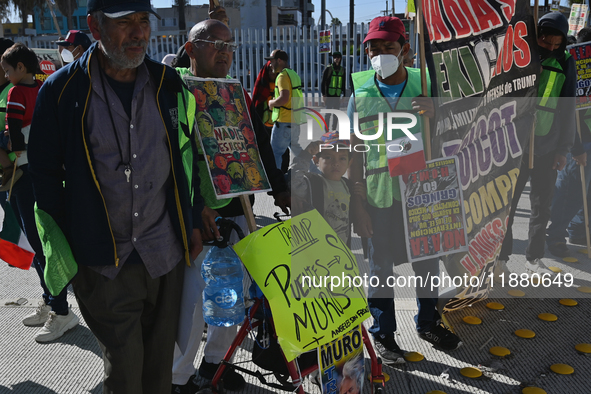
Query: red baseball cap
point(385, 28)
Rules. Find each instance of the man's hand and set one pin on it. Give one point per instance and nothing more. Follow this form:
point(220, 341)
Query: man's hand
point(210, 229)
point(283, 201)
point(361, 222)
point(424, 105)
point(271, 104)
point(360, 189)
point(581, 159)
point(559, 162)
point(196, 244)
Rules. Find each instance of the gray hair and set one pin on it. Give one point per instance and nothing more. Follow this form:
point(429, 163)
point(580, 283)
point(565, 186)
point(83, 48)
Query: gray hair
point(353, 369)
point(100, 17)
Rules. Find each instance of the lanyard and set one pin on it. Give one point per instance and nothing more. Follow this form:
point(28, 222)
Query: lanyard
point(127, 166)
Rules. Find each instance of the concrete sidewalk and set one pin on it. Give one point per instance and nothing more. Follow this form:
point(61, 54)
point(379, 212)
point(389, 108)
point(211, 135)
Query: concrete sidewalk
point(73, 363)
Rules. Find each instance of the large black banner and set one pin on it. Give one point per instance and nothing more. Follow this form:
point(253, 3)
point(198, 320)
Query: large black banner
point(484, 70)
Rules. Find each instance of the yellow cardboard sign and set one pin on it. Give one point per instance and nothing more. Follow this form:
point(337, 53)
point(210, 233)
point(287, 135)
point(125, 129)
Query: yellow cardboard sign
point(308, 275)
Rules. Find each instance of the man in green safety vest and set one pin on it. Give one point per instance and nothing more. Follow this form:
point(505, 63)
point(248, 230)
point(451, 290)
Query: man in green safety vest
point(287, 86)
point(333, 86)
point(387, 87)
point(554, 137)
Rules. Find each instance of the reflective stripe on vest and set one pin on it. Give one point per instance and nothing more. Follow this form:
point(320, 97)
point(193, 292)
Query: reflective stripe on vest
point(336, 81)
point(298, 116)
point(551, 82)
point(381, 188)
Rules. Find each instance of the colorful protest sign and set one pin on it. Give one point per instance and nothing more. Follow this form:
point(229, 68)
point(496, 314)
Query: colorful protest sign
point(303, 268)
point(433, 216)
point(577, 19)
point(341, 364)
point(484, 68)
point(227, 137)
point(324, 44)
point(582, 55)
point(49, 61)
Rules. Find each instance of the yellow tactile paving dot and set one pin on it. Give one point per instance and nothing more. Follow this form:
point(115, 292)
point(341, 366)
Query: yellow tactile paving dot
point(568, 302)
point(583, 348)
point(533, 390)
point(386, 378)
point(471, 372)
point(555, 269)
point(547, 317)
point(495, 306)
point(572, 259)
point(413, 357)
point(499, 351)
point(562, 369)
point(584, 289)
point(516, 293)
point(524, 333)
point(473, 320)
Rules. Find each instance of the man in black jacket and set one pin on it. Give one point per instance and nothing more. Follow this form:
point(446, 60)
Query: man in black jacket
point(111, 157)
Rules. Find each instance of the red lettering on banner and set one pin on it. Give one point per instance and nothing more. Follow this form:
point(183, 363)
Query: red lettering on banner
point(523, 54)
point(508, 50)
point(445, 171)
point(438, 31)
point(448, 240)
point(456, 17)
point(459, 238)
point(487, 17)
point(469, 265)
point(436, 240)
point(415, 246)
point(508, 9)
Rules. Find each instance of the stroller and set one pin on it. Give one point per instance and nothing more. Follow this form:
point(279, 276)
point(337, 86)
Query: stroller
point(267, 353)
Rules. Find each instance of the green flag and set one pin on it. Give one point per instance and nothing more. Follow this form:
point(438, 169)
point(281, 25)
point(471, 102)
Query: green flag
point(60, 267)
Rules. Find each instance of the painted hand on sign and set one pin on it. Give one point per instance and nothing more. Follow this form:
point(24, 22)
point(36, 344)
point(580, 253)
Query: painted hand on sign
point(310, 281)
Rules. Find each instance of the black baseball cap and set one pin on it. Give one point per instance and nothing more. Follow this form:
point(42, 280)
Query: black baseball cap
point(119, 9)
point(279, 54)
point(75, 38)
point(336, 54)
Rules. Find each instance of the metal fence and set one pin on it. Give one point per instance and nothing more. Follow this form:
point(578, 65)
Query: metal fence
point(300, 43)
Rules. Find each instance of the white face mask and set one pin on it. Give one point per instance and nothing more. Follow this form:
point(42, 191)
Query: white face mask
point(385, 65)
point(67, 56)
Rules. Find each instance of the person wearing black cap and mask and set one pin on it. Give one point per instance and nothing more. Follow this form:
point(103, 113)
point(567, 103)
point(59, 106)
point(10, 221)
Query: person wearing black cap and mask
point(554, 137)
point(114, 126)
point(333, 86)
point(73, 46)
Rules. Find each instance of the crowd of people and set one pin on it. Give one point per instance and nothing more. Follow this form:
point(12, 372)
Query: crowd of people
point(99, 148)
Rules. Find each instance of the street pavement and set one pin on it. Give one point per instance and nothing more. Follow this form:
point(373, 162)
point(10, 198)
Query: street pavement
point(73, 363)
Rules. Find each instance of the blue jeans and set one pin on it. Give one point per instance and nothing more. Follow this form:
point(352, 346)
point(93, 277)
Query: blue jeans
point(282, 136)
point(567, 202)
point(387, 248)
point(23, 204)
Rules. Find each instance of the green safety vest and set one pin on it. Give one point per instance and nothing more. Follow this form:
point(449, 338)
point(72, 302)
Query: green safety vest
point(551, 82)
point(336, 81)
point(298, 116)
point(382, 189)
point(186, 118)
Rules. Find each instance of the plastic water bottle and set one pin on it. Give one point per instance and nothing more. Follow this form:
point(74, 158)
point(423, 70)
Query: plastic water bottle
point(223, 298)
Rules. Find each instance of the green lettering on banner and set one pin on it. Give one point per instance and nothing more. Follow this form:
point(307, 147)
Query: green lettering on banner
point(279, 256)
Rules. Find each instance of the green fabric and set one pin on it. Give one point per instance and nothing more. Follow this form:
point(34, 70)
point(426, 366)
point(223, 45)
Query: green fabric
point(206, 186)
point(336, 81)
point(381, 187)
point(551, 81)
point(60, 266)
point(3, 103)
point(298, 116)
